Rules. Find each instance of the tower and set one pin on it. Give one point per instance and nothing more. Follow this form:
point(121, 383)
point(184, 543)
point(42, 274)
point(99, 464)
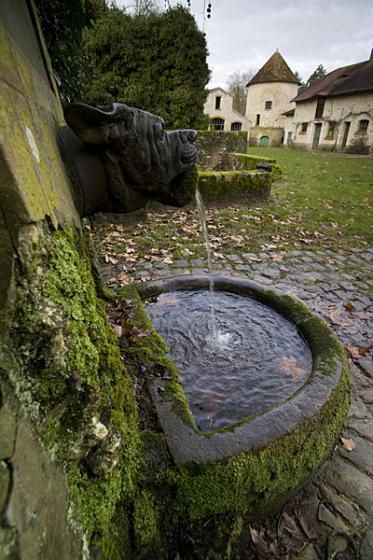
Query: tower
point(269, 96)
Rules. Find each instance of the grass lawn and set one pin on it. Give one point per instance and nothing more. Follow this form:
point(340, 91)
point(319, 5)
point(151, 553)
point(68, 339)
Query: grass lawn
point(321, 201)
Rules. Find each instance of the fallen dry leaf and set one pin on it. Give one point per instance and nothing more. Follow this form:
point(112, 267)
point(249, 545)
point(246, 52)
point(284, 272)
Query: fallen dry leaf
point(123, 277)
point(307, 524)
point(262, 547)
point(356, 352)
point(348, 444)
point(277, 258)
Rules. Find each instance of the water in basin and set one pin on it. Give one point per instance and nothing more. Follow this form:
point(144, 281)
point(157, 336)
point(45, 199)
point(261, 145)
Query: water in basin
point(256, 359)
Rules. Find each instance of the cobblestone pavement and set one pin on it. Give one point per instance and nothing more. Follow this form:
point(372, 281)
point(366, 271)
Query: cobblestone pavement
point(338, 286)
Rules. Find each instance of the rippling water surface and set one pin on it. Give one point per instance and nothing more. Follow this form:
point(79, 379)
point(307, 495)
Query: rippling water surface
point(257, 359)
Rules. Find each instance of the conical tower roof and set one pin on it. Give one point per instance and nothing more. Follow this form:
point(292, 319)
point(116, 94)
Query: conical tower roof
point(274, 70)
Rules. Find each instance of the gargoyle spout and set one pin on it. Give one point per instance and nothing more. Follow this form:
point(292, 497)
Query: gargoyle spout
point(120, 157)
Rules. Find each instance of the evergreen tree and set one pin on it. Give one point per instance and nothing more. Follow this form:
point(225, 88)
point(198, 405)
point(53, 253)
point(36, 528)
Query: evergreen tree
point(156, 62)
point(63, 22)
point(320, 72)
point(301, 84)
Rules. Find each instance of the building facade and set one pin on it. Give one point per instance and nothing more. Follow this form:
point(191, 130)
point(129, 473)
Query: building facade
point(269, 96)
point(222, 116)
point(336, 112)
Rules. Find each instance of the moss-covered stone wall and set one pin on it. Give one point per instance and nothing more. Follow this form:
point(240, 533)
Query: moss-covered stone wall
point(215, 185)
point(69, 445)
point(214, 148)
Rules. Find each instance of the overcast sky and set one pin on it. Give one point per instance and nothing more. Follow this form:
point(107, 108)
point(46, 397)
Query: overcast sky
point(243, 34)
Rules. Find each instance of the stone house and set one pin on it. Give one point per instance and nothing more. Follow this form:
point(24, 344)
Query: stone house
point(222, 116)
point(269, 95)
point(335, 112)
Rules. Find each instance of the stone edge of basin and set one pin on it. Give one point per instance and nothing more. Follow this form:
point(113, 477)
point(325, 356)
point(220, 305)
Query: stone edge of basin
point(188, 444)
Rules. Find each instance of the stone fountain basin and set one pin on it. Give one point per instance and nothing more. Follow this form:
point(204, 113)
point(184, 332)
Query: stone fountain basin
point(252, 466)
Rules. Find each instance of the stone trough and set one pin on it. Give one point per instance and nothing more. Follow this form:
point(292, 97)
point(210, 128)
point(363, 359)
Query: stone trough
point(226, 170)
point(253, 466)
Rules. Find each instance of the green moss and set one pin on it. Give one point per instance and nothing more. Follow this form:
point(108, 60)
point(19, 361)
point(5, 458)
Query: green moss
point(252, 159)
point(214, 133)
point(213, 185)
point(236, 531)
point(117, 544)
point(146, 522)
point(74, 373)
point(151, 351)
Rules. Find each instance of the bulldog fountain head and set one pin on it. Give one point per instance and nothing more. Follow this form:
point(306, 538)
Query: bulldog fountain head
point(120, 158)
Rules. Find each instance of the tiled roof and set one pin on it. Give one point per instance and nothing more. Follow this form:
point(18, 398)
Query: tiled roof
point(355, 78)
point(274, 70)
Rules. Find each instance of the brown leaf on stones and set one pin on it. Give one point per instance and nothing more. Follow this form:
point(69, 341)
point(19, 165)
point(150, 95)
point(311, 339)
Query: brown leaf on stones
point(133, 332)
point(336, 318)
point(289, 366)
point(261, 545)
point(110, 259)
point(301, 531)
point(123, 278)
point(357, 352)
point(307, 525)
point(348, 444)
point(350, 306)
point(290, 525)
point(265, 546)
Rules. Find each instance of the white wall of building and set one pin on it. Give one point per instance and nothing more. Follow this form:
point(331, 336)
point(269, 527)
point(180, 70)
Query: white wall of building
point(225, 111)
point(279, 94)
point(337, 111)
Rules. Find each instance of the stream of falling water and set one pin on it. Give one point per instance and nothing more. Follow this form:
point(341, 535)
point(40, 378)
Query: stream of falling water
point(202, 220)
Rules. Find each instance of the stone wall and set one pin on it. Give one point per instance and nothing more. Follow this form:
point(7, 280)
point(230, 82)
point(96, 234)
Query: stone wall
point(67, 408)
point(214, 148)
point(275, 136)
point(34, 190)
point(337, 112)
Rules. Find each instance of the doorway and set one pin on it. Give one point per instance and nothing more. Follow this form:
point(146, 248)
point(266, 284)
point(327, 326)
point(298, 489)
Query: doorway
point(264, 141)
point(316, 136)
point(345, 134)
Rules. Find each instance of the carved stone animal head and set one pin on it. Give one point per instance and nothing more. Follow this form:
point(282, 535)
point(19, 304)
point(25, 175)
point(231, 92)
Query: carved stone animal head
point(141, 160)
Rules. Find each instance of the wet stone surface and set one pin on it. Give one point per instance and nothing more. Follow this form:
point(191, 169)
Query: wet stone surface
point(337, 286)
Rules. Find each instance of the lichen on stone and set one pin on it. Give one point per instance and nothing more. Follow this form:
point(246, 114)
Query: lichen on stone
point(69, 365)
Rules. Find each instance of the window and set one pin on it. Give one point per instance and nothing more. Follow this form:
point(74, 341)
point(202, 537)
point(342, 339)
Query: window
point(236, 126)
point(363, 125)
point(320, 107)
point(268, 104)
point(303, 128)
point(217, 102)
point(331, 130)
point(216, 124)
point(257, 120)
